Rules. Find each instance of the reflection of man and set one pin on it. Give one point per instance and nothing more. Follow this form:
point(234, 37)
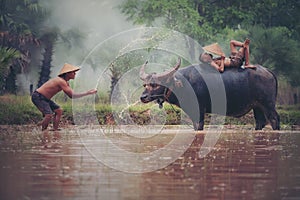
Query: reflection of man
point(41, 98)
point(236, 58)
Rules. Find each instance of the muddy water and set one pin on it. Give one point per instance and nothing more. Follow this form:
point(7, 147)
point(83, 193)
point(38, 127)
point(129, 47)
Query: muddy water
point(244, 164)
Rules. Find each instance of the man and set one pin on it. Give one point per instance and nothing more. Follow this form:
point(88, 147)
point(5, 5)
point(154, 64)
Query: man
point(236, 58)
point(41, 97)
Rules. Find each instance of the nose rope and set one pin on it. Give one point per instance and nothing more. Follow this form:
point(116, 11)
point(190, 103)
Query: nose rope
point(165, 96)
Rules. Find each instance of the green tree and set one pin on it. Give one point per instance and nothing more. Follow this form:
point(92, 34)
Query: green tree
point(201, 19)
point(18, 25)
point(122, 64)
point(8, 55)
point(272, 25)
point(180, 15)
point(22, 27)
point(49, 38)
point(276, 49)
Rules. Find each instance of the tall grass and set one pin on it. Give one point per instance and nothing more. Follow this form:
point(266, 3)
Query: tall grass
point(20, 110)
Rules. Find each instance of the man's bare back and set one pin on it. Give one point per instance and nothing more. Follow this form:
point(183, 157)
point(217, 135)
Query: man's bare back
point(42, 96)
point(52, 87)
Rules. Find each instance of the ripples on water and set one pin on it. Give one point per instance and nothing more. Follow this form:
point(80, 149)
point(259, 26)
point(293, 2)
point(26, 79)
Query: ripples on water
point(56, 165)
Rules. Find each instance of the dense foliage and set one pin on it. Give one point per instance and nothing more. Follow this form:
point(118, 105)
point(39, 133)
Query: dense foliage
point(25, 37)
point(20, 22)
point(272, 26)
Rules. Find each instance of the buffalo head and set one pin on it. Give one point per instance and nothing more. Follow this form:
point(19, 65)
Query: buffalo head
point(157, 85)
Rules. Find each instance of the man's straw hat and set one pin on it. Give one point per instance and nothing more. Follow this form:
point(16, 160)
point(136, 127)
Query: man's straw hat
point(214, 48)
point(68, 68)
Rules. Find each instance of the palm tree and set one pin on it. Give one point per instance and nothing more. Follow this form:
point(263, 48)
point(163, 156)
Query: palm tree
point(6, 60)
point(48, 40)
point(23, 30)
point(18, 22)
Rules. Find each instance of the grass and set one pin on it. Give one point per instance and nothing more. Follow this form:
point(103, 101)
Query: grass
point(289, 115)
point(20, 110)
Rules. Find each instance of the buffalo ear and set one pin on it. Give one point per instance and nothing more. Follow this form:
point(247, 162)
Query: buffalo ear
point(178, 83)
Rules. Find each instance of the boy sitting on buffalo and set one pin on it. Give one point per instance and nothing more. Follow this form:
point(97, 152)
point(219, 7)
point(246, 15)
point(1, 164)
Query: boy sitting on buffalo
point(236, 58)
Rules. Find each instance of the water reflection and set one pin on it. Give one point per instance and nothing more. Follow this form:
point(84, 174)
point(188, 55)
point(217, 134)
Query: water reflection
point(243, 165)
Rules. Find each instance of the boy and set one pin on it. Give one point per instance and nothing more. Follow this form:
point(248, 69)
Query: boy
point(41, 97)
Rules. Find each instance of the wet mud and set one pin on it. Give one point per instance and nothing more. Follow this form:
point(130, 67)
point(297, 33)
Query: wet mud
point(244, 164)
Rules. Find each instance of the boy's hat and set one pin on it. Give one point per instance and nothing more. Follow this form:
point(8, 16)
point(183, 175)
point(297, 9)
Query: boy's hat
point(68, 68)
point(214, 48)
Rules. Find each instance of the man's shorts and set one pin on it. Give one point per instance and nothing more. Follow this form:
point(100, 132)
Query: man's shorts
point(236, 62)
point(46, 106)
point(236, 59)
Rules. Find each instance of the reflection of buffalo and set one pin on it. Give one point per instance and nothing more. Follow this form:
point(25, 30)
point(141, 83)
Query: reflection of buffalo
point(244, 90)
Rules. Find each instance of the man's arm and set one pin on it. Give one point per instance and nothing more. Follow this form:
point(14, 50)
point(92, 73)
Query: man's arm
point(218, 63)
point(221, 68)
point(68, 91)
point(215, 65)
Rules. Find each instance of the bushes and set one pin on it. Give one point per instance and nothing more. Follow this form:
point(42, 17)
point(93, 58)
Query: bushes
point(289, 115)
point(20, 110)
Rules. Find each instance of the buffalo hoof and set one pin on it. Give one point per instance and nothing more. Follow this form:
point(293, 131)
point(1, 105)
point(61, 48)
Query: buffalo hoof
point(198, 126)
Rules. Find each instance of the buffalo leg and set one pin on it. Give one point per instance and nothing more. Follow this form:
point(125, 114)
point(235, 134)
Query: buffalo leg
point(260, 118)
point(198, 126)
point(273, 118)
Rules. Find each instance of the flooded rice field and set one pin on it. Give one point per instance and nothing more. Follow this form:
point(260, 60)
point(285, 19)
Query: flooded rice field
point(106, 163)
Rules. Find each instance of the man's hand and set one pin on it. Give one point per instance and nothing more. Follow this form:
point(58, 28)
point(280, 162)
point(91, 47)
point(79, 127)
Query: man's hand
point(246, 43)
point(223, 56)
point(92, 91)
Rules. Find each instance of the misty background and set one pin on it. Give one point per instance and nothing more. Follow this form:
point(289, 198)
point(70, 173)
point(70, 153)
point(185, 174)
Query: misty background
point(96, 20)
point(38, 37)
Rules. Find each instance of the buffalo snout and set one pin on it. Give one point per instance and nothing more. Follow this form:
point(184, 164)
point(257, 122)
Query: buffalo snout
point(144, 98)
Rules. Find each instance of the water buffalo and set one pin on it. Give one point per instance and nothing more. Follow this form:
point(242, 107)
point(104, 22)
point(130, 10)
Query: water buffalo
point(243, 90)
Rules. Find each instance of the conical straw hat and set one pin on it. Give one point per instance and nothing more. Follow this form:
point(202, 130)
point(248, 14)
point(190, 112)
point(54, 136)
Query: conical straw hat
point(68, 68)
point(214, 48)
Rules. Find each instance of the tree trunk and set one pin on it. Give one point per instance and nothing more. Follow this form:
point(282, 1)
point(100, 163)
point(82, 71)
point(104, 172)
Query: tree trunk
point(10, 82)
point(47, 59)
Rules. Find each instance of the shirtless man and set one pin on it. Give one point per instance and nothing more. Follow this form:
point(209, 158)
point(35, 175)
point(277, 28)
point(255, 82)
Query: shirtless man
point(236, 58)
point(41, 97)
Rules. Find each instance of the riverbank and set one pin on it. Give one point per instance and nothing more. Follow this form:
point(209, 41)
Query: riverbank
point(19, 110)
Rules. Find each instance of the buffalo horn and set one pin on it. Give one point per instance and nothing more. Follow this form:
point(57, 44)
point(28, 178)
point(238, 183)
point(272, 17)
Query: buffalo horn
point(143, 74)
point(170, 72)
